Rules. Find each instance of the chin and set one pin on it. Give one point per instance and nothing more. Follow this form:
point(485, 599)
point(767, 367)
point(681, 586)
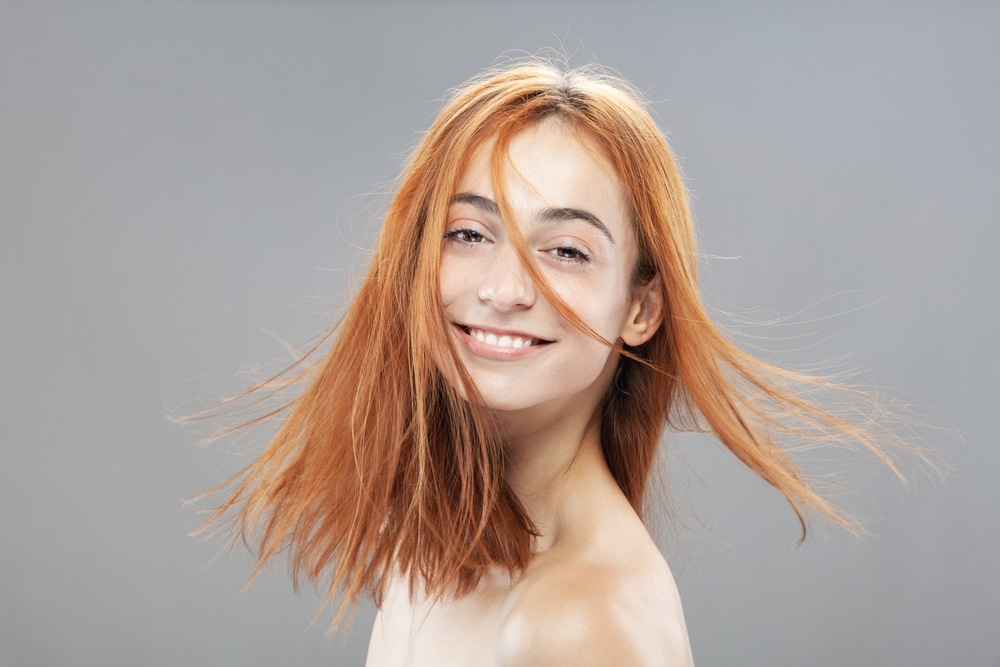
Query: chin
point(506, 404)
point(503, 399)
point(533, 395)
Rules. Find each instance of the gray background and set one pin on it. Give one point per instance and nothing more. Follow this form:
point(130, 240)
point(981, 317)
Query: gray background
point(179, 180)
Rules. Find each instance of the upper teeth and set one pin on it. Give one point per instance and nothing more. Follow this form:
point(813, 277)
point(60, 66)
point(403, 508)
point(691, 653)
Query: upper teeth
point(501, 341)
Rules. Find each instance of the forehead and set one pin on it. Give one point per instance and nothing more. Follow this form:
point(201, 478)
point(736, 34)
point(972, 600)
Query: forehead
point(551, 164)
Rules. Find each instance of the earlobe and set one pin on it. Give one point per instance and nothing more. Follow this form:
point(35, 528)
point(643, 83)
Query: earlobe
point(645, 314)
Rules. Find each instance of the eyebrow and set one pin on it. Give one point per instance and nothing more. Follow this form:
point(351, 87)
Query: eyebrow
point(552, 214)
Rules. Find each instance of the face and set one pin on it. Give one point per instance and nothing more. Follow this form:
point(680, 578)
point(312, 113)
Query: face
point(569, 206)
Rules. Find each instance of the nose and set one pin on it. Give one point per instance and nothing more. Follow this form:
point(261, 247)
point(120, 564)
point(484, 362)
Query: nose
point(505, 283)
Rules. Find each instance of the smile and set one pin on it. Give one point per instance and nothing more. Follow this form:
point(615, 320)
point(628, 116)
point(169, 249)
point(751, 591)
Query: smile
point(499, 344)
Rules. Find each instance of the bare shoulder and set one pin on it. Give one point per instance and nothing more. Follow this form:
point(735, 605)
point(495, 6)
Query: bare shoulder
point(598, 606)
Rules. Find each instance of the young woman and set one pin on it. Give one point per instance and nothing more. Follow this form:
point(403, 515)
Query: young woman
point(472, 451)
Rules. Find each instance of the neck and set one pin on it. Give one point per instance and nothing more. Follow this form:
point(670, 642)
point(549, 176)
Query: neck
point(555, 464)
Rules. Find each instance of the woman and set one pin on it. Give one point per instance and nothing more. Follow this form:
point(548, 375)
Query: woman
point(473, 449)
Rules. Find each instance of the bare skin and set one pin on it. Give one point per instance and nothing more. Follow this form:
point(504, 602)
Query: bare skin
point(597, 591)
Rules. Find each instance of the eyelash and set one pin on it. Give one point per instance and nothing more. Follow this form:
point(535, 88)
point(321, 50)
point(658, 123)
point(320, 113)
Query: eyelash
point(455, 236)
point(578, 256)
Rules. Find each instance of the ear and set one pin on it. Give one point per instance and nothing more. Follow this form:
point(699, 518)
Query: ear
point(645, 314)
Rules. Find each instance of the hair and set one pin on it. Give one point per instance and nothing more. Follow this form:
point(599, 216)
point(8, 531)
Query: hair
point(380, 466)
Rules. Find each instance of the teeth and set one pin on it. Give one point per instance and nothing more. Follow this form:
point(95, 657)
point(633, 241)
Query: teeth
point(515, 342)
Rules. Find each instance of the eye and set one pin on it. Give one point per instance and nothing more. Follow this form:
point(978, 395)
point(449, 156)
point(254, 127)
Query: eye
point(569, 254)
point(466, 236)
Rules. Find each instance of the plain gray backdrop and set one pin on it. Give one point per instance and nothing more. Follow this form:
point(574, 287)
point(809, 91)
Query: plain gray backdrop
point(181, 181)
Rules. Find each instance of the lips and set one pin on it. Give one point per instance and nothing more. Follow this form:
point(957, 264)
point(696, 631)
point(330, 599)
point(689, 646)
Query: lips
point(499, 343)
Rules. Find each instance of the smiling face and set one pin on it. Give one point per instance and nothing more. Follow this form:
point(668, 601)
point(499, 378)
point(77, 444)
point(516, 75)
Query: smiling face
point(569, 206)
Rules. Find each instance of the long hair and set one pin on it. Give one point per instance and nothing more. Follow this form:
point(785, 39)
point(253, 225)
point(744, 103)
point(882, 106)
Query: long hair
point(380, 466)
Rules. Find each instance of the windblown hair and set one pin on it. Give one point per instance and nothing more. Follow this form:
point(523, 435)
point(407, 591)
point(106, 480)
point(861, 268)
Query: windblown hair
point(380, 466)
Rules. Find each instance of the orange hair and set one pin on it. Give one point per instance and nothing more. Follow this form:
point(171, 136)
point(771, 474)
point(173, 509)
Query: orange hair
point(380, 466)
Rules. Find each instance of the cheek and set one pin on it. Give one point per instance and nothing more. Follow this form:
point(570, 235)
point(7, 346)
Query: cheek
point(603, 306)
point(453, 278)
point(450, 285)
